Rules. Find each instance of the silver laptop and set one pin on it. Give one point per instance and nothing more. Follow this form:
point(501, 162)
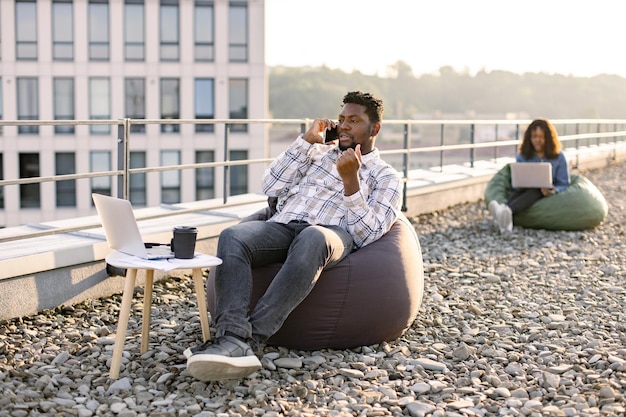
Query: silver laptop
point(122, 232)
point(531, 175)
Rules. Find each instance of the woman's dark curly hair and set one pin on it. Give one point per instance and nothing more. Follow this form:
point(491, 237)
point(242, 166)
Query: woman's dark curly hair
point(373, 105)
point(553, 145)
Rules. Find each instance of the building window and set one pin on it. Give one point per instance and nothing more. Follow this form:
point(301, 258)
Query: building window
point(100, 162)
point(29, 193)
point(238, 103)
point(62, 30)
point(27, 103)
point(170, 180)
point(238, 32)
point(169, 32)
point(204, 30)
point(99, 104)
point(204, 102)
point(98, 30)
point(65, 163)
point(170, 103)
point(137, 182)
point(238, 173)
point(205, 177)
point(26, 30)
point(134, 31)
point(1, 110)
point(63, 91)
point(135, 102)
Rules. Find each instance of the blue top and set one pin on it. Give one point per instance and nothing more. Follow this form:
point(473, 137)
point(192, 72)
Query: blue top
point(560, 169)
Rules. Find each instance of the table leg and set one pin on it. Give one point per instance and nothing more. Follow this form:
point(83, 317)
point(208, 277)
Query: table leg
point(147, 311)
point(118, 348)
point(201, 297)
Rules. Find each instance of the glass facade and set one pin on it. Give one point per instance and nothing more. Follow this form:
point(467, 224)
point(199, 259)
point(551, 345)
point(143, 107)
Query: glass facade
point(135, 102)
point(98, 30)
point(63, 92)
point(62, 30)
point(205, 177)
point(27, 103)
point(169, 30)
point(238, 103)
point(26, 30)
point(170, 180)
point(30, 194)
point(170, 103)
point(204, 48)
point(137, 182)
point(103, 60)
point(134, 31)
point(238, 179)
point(238, 32)
point(99, 103)
point(204, 102)
point(65, 163)
point(100, 161)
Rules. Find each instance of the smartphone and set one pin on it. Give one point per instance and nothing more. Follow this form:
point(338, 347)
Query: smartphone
point(331, 134)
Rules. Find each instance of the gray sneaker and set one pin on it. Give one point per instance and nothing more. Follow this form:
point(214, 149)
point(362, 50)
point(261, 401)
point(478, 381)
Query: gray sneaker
point(191, 350)
point(225, 358)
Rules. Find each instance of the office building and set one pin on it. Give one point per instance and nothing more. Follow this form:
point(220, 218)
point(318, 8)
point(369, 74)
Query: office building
point(115, 59)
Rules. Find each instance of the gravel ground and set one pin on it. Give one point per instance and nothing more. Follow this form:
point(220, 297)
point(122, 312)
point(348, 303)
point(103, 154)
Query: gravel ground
point(531, 324)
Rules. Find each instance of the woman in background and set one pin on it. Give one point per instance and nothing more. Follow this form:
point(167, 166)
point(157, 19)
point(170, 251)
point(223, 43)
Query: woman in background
point(540, 144)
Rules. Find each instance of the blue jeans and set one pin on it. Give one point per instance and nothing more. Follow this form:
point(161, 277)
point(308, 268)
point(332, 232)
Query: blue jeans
point(303, 249)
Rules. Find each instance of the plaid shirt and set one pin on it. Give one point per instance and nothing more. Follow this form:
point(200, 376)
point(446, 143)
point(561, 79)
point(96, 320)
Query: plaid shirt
point(309, 189)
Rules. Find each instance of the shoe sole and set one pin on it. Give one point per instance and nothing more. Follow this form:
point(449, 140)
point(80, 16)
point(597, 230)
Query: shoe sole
point(187, 353)
point(218, 367)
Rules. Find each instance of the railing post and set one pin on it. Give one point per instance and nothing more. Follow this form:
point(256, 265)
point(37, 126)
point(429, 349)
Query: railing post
point(123, 133)
point(441, 140)
point(226, 181)
point(577, 146)
point(405, 162)
point(495, 149)
point(472, 140)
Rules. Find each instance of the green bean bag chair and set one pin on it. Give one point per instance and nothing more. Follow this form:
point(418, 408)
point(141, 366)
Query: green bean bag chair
point(579, 207)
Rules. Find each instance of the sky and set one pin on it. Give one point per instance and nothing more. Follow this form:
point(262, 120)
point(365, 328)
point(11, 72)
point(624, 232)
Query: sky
point(570, 37)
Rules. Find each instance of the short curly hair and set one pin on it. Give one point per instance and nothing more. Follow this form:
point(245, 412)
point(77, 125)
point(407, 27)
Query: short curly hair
point(373, 106)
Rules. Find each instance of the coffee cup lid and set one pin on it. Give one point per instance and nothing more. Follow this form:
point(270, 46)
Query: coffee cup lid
point(185, 229)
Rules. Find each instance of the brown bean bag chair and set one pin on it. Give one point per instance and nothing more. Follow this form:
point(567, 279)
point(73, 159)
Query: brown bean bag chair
point(371, 296)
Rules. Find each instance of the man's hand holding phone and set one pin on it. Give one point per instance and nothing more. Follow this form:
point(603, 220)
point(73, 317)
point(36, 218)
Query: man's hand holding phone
point(321, 131)
point(331, 134)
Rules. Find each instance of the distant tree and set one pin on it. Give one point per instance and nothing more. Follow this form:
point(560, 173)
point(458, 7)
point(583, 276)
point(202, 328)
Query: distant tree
point(317, 92)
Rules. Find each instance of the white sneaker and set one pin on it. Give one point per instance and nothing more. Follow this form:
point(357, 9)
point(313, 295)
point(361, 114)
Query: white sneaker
point(505, 219)
point(494, 210)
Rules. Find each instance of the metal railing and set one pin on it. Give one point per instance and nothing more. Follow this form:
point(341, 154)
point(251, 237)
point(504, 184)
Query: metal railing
point(407, 144)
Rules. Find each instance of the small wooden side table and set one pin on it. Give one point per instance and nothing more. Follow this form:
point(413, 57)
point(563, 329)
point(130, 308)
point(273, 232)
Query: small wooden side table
point(133, 264)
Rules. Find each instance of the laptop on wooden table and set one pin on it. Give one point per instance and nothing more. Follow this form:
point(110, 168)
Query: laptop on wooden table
point(531, 175)
point(122, 232)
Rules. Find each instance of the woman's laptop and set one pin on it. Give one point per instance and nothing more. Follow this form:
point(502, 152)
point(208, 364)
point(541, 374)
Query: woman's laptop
point(121, 230)
point(531, 175)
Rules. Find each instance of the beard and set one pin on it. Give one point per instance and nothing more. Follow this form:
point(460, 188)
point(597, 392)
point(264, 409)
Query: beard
point(351, 145)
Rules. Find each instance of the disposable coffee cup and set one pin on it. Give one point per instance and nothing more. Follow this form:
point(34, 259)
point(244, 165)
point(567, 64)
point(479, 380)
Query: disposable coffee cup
point(184, 241)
